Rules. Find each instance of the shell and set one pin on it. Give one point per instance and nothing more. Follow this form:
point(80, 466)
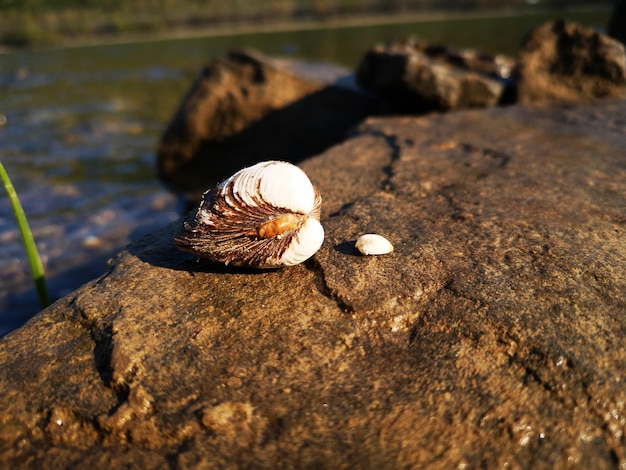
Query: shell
point(264, 216)
point(372, 244)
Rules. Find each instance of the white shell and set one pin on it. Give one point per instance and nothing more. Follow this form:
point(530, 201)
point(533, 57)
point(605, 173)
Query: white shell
point(372, 244)
point(264, 216)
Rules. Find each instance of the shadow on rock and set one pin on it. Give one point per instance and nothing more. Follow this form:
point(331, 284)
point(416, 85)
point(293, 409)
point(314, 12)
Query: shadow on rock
point(294, 133)
point(159, 249)
point(347, 248)
point(246, 108)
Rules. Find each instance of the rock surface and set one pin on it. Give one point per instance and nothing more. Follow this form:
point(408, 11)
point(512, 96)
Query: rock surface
point(246, 105)
point(562, 60)
point(492, 336)
point(417, 78)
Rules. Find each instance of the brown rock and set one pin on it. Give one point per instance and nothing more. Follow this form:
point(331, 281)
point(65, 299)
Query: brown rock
point(247, 106)
point(492, 336)
point(566, 61)
point(416, 78)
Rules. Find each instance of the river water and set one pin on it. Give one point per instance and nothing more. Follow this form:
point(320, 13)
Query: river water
point(79, 127)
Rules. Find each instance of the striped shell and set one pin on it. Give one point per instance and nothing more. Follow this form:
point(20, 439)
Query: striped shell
point(264, 216)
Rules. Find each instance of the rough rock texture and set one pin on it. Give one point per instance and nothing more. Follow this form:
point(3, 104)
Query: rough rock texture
point(492, 337)
point(246, 105)
point(566, 61)
point(416, 78)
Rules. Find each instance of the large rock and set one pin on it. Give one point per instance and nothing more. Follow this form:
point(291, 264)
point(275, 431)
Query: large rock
point(245, 105)
point(561, 60)
point(416, 78)
point(492, 337)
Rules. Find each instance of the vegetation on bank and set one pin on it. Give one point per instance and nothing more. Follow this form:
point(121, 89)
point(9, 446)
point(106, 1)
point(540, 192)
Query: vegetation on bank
point(34, 260)
point(39, 22)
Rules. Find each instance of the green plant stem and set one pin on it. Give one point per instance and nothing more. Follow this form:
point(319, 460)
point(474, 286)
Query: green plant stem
point(34, 260)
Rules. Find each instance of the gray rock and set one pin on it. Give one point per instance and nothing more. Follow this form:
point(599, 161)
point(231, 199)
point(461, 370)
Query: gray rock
point(416, 78)
point(492, 336)
point(562, 60)
point(247, 105)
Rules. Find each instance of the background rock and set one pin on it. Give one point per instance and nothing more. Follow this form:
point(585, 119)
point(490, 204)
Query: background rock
point(416, 78)
point(566, 61)
point(492, 336)
point(246, 105)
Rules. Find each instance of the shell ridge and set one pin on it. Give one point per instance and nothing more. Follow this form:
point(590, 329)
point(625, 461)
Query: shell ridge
point(235, 214)
point(277, 252)
point(305, 243)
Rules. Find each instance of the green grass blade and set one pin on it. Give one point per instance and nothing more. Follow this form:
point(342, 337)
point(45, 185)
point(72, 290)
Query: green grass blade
point(34, 260)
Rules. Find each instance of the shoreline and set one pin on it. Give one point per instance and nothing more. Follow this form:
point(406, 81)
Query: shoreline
point(298, 25)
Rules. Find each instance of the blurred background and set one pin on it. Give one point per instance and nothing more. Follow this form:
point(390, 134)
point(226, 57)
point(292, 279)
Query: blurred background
point(88, 86)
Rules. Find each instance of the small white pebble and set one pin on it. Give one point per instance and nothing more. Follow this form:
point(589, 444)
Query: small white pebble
point(372, 244)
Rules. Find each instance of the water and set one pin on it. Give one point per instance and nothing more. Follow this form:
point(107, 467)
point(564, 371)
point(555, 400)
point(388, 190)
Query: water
point(82, 125)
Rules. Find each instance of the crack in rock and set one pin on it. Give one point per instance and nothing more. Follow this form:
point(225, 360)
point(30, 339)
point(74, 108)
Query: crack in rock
point(394, 155)
point(102, 337)
point(117, 370)
point(317, 269)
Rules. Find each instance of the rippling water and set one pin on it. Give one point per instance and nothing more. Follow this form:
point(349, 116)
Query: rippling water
point(82, 125)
